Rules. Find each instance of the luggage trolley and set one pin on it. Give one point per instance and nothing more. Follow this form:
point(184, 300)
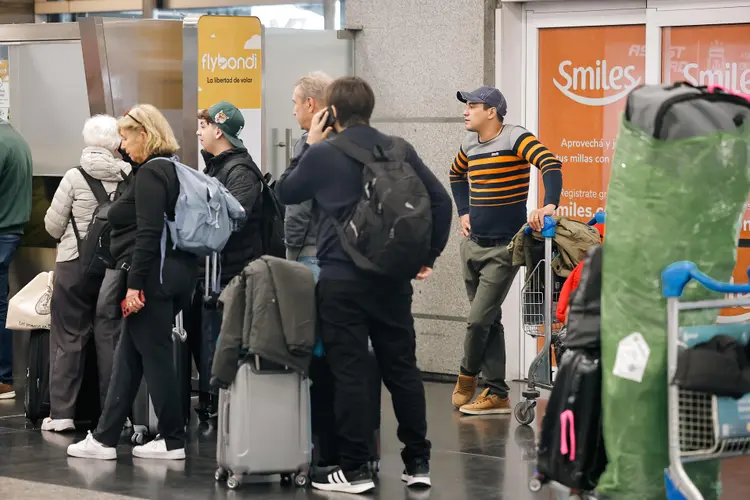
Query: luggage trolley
point(701, 426)
point(538, 309)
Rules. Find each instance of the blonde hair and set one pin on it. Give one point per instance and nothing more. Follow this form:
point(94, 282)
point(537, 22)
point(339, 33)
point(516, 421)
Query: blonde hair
point(314, 85)
point(101, 131)
point(160, 138)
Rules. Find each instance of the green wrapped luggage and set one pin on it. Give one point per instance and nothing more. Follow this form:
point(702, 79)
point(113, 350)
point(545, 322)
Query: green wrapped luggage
point(680, 180)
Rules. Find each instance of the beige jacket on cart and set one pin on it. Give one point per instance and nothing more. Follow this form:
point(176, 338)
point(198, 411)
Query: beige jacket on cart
point(572, 239)
point(74, 196)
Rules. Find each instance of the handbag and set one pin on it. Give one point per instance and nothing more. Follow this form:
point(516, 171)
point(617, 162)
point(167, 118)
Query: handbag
point(29, 309)
point(111, 294)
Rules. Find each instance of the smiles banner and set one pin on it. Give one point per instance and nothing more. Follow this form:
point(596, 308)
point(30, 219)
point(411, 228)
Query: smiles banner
point(230, 69)
point(714, 55)
point(584, 76)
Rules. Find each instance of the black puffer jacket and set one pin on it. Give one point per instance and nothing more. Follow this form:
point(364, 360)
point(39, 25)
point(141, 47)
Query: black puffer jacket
point(235, 169)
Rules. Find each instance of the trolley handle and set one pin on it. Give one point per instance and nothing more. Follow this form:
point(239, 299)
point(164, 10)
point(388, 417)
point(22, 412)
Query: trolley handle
point(548, 229)
point(599, 218)
point(678, 274)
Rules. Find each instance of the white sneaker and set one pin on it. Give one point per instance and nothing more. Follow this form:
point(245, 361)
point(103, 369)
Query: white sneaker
point(157, 449)
point(91, 448)
point(58, 424)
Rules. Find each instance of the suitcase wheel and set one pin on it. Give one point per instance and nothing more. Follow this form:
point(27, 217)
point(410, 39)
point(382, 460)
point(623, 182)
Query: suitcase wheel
point(286, 479)
point(221, 474)
point(301, 480)
point(524, 412)
point(233, 482)
point(535, 484)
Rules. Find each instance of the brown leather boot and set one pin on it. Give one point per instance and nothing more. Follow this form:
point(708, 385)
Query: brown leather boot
point(464, 391)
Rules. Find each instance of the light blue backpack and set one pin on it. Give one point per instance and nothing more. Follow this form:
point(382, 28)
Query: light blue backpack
point(206, 214)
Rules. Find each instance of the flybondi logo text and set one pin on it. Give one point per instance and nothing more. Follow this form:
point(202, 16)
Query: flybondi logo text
point(216, 62)
point(599, 77)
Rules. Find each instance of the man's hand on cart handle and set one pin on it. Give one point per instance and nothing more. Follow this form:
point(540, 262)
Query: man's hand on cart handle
point(465, 225)
point(536, 217)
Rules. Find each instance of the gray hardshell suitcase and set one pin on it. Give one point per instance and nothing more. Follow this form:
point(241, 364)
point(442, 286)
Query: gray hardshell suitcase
point(264, 425)
point(145, 423)
point(682, 110)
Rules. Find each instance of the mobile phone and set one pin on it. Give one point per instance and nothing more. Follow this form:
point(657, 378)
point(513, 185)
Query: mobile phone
point(330, 119)
point(126, 311)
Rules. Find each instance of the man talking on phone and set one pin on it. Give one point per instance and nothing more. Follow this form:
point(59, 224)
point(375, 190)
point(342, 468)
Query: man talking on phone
point(354, 305)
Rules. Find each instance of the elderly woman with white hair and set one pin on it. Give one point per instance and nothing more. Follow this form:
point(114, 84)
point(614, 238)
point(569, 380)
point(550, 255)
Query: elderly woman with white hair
point(74, 295)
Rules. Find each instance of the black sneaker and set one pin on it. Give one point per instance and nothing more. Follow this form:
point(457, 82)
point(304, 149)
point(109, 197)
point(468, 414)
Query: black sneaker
point(417, 473)
point(335, 479)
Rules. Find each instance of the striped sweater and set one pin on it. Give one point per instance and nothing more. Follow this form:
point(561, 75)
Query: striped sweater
point(490, 180)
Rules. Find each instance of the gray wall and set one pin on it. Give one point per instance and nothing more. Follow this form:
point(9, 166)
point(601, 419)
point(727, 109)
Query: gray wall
point(416, 55)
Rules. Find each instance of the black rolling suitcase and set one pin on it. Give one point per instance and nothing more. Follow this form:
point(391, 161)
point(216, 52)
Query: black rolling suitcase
point(210, 327)
point(36, 395)
point(325, 445)
point(145, 422)
point(36, 398)
point(571, 446)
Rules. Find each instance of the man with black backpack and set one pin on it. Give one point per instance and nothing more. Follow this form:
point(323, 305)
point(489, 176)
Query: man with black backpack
point(385, 218)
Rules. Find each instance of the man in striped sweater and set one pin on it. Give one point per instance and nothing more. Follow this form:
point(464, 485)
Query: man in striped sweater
point(490, 180)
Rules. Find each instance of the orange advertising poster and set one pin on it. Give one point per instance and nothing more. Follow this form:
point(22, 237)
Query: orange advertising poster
point(585, 74)
point(714, 55)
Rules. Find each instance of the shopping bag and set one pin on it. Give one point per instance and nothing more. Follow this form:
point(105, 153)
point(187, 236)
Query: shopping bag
point(29, 309)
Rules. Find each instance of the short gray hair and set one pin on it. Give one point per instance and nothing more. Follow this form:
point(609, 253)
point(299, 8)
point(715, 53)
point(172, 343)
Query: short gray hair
point(101, 131)
point(314, 85)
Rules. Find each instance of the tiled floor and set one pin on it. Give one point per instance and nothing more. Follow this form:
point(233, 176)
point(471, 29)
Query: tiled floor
point(478, 458)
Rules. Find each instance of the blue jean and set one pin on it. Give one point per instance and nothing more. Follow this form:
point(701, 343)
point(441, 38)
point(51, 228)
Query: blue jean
point(312, 265)
point(8, 245)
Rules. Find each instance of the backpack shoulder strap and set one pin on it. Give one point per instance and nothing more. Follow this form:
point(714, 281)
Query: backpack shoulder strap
point(239, 162)
point(351, 149)
point(96, 187)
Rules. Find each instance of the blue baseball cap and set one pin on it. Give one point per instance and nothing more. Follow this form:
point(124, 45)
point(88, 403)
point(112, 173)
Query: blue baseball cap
point(485, 95)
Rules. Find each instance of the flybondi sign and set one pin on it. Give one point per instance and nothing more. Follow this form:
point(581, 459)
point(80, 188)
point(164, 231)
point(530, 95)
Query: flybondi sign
point(601, 77)
point(213, 62)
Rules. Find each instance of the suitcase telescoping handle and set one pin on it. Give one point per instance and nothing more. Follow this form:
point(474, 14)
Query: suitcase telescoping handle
point(178, 332)
point(212, 275)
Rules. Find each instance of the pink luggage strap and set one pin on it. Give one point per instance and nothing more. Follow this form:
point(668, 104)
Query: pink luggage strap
point(566, 418)
point(714, 88)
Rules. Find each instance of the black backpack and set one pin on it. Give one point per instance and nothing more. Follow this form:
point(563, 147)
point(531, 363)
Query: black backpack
point(389, 231)
point(93, 249)
point(272, 215)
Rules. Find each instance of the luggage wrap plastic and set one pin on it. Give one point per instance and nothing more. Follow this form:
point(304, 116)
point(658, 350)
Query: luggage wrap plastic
point(668, 200)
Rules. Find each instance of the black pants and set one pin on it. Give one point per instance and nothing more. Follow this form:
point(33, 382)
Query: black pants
point(145, 351)
point(349, 312)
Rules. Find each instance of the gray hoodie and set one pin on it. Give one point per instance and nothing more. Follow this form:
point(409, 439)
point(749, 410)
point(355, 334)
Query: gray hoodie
point(300, 222)
point(73, 196)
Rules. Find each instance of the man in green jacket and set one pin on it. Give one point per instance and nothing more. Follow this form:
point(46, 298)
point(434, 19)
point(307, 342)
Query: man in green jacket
point(15, 211)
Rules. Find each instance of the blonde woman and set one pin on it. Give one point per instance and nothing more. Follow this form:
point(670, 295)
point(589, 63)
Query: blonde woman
point(145, 348)
point(74, 294)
